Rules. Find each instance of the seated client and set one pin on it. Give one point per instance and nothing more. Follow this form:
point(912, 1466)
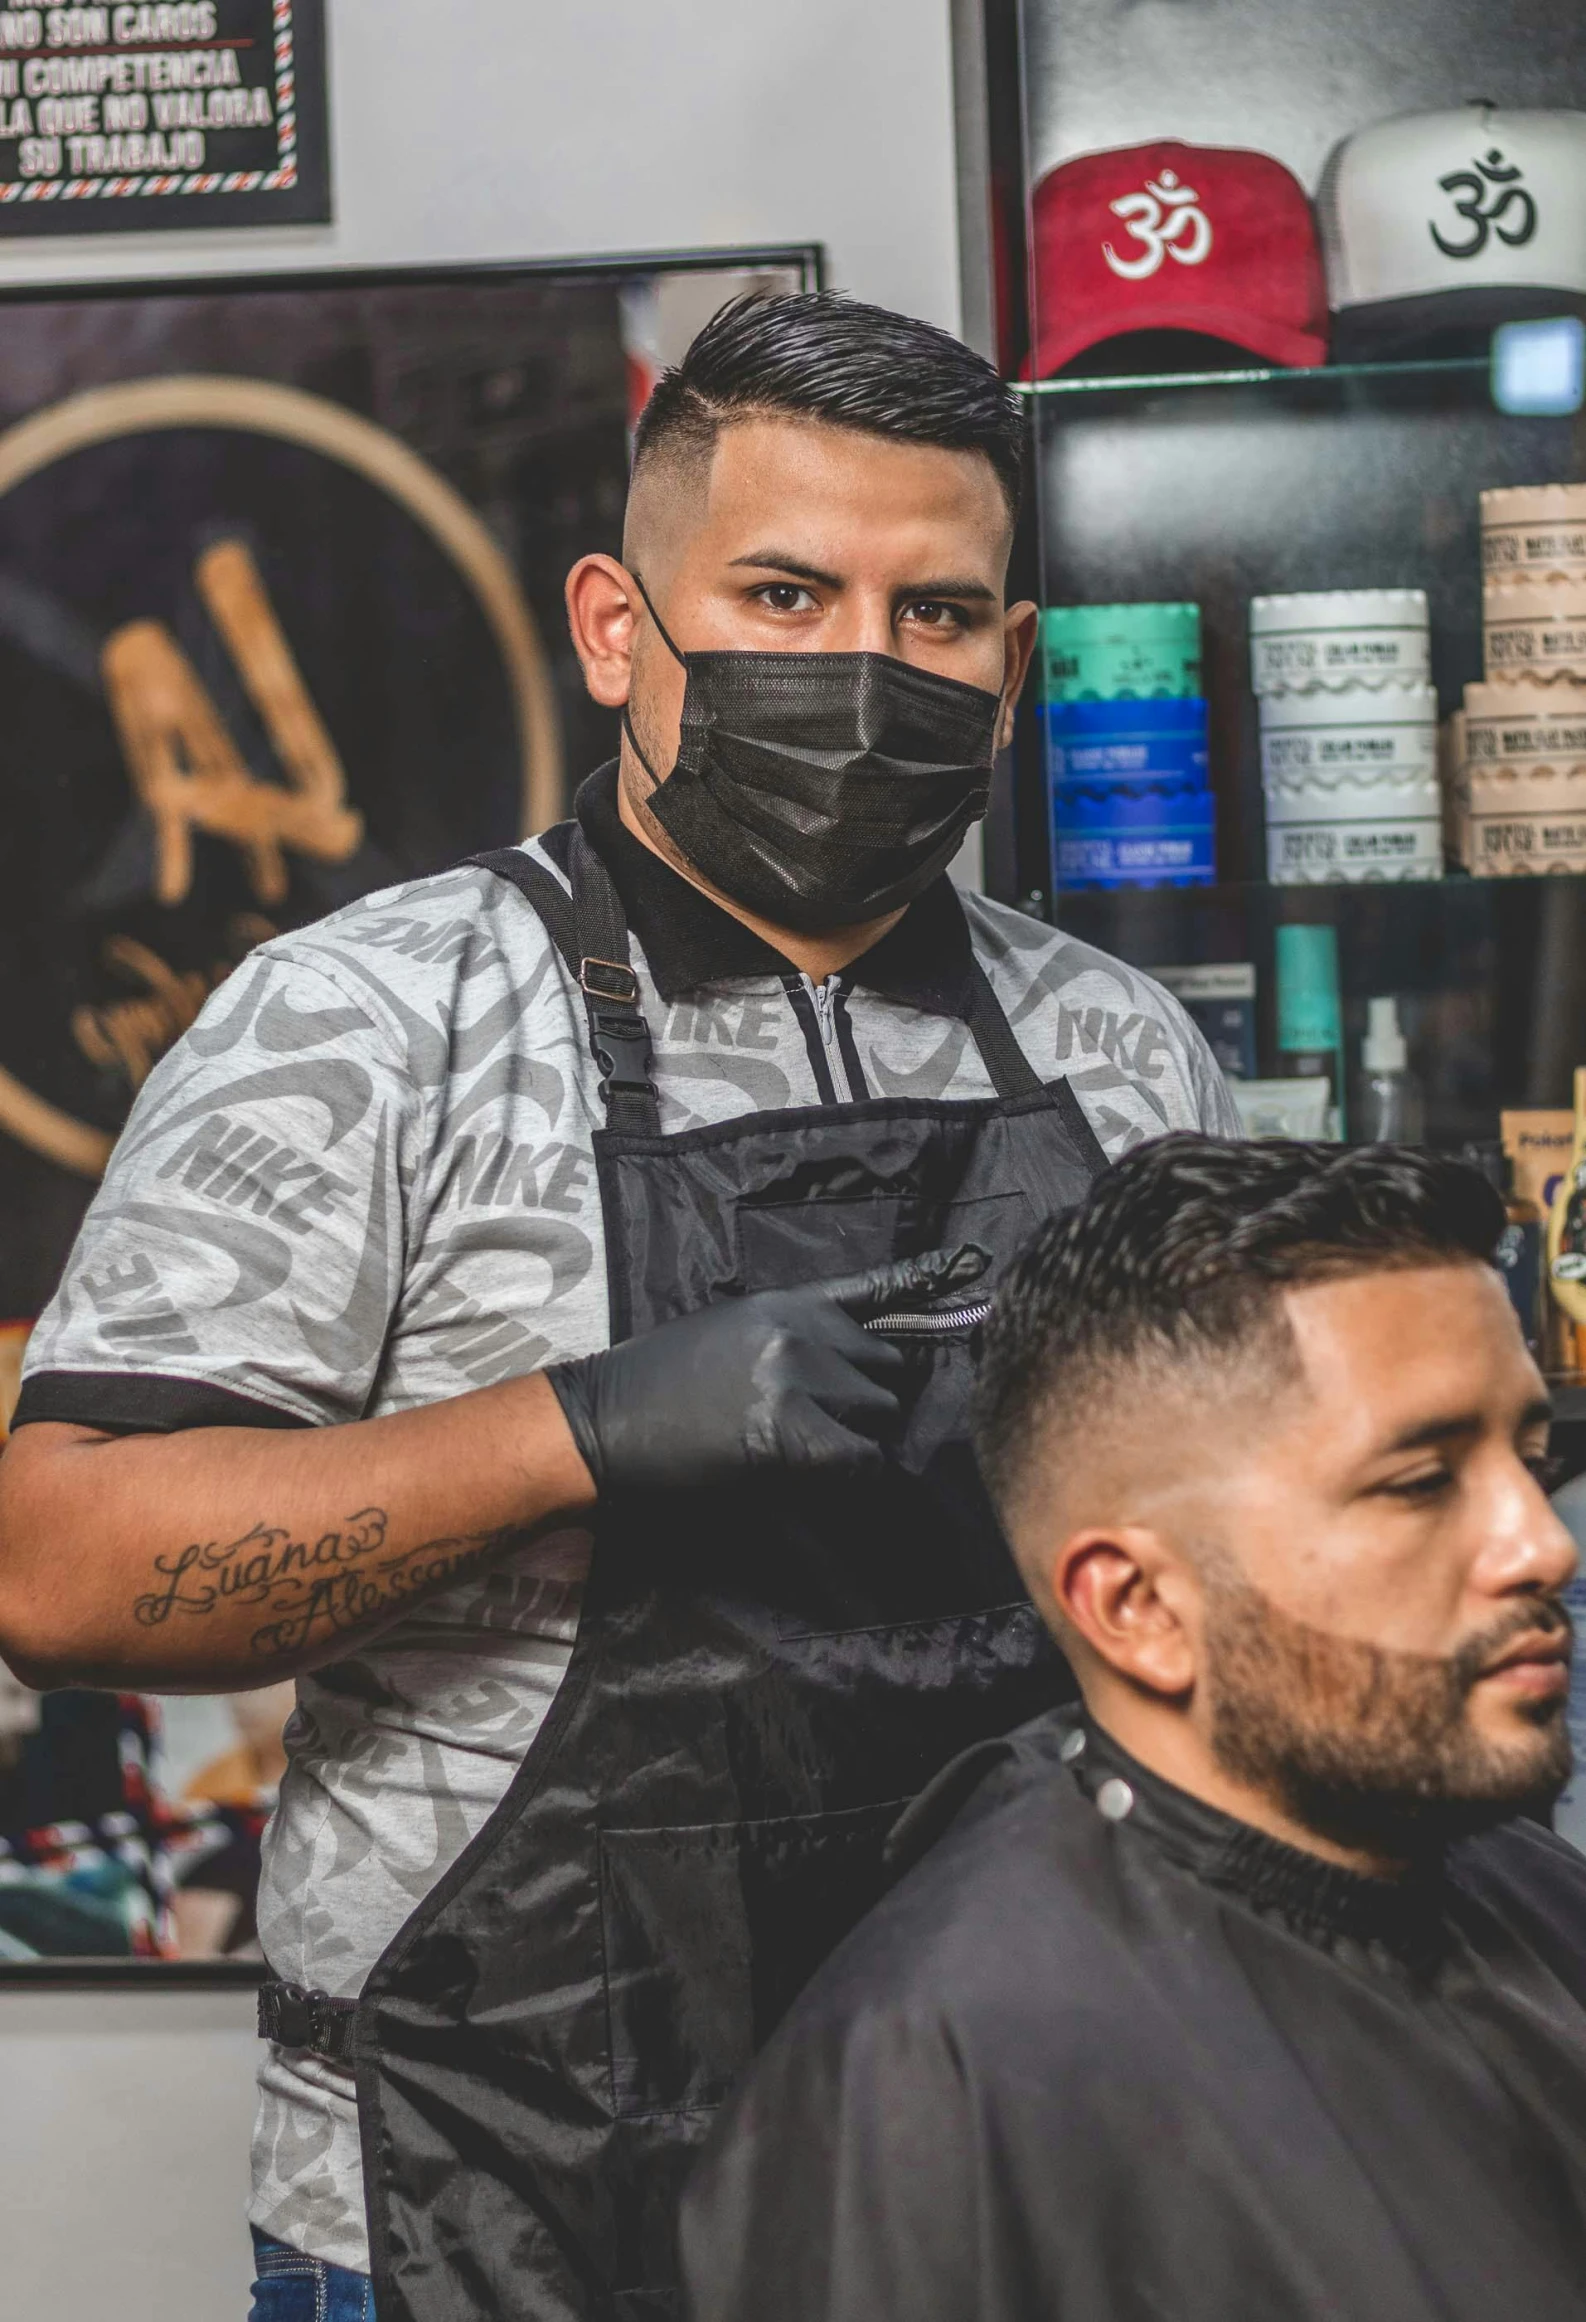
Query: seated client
point(1249, 1988)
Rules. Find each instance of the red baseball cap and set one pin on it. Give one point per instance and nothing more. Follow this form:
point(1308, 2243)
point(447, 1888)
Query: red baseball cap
point(1176, 237)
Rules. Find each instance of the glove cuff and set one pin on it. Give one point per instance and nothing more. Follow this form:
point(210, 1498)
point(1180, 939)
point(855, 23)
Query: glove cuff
point(572, 1384)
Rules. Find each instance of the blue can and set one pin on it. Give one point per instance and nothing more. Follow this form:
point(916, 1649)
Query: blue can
point(1133, 835)
point(1103, 742)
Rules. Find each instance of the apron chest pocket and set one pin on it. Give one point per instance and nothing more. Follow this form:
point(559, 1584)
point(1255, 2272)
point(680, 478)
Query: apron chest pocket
point(684, 1981)
point(784, 1244)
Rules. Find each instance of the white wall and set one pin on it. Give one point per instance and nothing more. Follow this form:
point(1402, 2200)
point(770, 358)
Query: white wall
point(460, 129)
point(124, 2121)
point(526, 129)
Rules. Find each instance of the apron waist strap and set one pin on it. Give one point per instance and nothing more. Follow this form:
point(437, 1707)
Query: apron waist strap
point(312, 2020)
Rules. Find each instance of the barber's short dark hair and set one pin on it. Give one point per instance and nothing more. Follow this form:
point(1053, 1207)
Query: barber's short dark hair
point(1183, 1250)
point(816, 355)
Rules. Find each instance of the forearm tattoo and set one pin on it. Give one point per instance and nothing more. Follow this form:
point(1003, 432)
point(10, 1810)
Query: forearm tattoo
point(345, 1579)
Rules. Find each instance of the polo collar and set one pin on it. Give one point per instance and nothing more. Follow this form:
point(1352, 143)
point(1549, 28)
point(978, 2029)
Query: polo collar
point(689, 941)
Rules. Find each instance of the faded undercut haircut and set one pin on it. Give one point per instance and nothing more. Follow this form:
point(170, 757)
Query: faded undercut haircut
point(816, 355)
point(1182, 1251)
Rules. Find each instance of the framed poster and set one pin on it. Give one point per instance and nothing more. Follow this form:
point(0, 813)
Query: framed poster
point(280, 623)
point(148, 113)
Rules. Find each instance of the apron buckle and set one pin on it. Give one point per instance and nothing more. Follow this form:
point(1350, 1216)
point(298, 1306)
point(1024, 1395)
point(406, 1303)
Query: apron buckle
point(622, 1051)
point(609, 979)
point(618, 1033)
point(312, 2020)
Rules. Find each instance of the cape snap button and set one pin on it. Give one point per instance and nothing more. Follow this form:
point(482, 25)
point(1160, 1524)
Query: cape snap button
point(1073, 1746)
point(1114, 1799)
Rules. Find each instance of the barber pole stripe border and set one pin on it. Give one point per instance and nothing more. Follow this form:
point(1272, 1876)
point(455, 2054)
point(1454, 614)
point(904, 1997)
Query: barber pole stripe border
point(213, 181)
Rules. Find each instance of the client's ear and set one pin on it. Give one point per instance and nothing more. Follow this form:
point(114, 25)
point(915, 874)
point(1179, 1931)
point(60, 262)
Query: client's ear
point(1131, 1598)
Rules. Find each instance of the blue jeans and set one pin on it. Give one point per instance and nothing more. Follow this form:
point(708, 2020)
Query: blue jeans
point(293, 2288)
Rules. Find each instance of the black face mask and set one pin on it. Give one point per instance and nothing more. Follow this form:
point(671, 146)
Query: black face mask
point(822, 789)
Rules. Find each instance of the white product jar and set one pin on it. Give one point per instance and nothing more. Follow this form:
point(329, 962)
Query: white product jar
point(1333, 637)
point(1353, 832)
point(1360, 733)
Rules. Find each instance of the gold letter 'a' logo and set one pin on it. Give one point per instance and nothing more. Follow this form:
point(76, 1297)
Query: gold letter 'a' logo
point(184, 764)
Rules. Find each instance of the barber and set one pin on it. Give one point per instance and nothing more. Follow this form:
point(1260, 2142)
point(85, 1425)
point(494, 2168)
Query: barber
point(626, 1188)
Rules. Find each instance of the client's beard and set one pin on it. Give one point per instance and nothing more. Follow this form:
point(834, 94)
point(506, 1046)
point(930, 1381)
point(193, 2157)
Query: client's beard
point(1367, 1746)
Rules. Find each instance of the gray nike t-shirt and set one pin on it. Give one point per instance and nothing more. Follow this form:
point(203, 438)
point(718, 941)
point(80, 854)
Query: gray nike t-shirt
point(364, 1181)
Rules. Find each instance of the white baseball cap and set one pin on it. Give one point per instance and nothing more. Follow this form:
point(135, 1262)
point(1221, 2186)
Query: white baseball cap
point(1460, 219)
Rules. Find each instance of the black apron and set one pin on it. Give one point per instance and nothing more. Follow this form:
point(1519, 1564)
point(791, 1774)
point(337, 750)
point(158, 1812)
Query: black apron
point(762, 1677)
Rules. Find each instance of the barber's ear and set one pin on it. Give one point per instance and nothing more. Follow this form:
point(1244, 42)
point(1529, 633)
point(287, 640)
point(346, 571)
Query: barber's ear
point(1021, 625)
point(602, 606)
point(1134, 1602)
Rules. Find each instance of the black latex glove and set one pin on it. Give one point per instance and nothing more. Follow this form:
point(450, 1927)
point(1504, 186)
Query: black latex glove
point(783, 1379)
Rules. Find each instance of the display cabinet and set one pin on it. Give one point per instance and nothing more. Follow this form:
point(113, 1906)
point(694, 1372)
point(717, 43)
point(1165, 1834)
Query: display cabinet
point(1272, 351)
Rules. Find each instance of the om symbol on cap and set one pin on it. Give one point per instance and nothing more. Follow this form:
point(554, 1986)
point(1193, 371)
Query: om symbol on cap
point(1164, 217)
point(1474, 186)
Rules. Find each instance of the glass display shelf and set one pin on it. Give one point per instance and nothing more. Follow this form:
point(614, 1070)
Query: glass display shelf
point(1441, 370)
point(1456, 889)
point(1490, 974)
point(1215, 488)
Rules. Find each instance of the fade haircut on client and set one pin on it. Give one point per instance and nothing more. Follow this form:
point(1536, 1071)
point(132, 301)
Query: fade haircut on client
point(1182, 1252)
point(816, 355)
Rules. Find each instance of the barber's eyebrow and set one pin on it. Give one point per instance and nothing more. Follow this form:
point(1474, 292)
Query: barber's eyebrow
point(774, 560)
point(1537, 1413)
point(978, 590)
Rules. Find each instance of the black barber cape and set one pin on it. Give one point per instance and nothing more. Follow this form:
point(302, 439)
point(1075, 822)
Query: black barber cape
point(1105, 2055)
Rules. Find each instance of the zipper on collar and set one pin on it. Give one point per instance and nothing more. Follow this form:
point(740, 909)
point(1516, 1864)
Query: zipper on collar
point(822, 1011)
point(814, 1015)
point(842, 1021)
point(824, 997)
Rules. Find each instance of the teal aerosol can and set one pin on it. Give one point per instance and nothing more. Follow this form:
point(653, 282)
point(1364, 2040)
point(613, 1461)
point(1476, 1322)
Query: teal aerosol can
point(1310, 1017)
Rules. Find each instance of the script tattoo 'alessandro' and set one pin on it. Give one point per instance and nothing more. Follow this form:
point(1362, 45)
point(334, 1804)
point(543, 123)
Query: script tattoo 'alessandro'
point(310, 1588)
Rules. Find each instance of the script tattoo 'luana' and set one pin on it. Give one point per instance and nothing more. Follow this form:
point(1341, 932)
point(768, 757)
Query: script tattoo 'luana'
point(312, 1588)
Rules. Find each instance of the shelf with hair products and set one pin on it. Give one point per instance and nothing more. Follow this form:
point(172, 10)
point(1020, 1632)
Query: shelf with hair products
point(1295, 305)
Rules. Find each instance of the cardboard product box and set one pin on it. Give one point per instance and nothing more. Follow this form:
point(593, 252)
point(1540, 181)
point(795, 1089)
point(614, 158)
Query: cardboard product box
point(1539, 1145)
point(1219, 998)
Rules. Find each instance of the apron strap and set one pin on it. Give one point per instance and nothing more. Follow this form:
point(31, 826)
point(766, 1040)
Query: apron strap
point(589, 931)
point(618, 1033)
point(1012, 1073)
point(536, 885)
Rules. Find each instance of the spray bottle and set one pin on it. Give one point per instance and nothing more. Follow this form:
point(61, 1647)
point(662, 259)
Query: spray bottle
point(1391, 1111)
